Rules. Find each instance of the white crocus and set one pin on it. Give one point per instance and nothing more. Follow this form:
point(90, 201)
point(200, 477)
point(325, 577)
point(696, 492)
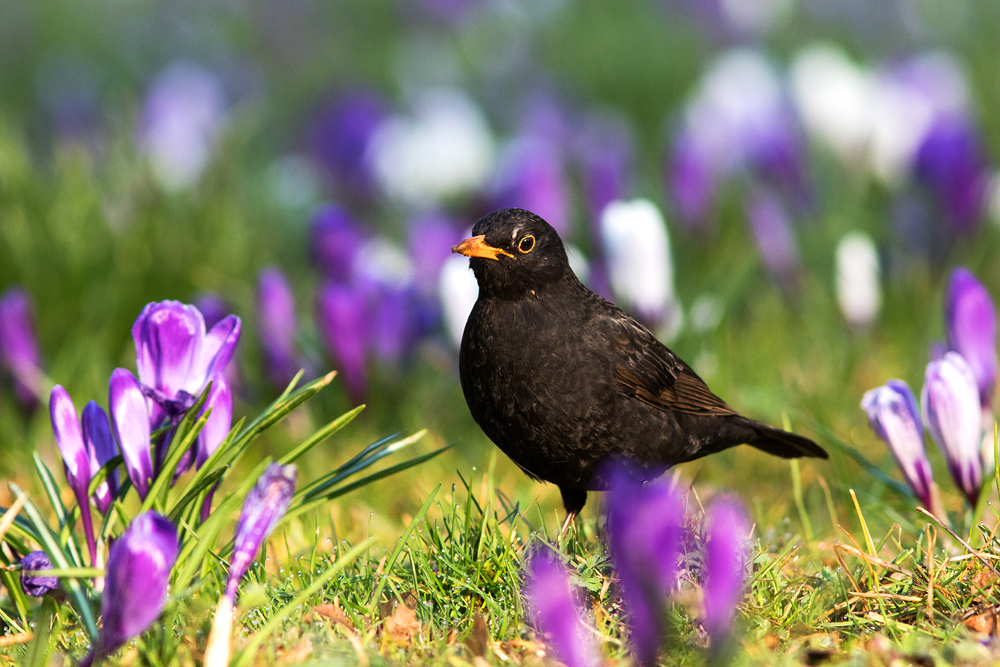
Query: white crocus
point(859, 293)
point(458, 291)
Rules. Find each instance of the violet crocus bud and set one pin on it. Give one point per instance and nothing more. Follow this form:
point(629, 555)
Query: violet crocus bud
point(19, 346)
point(950, 407)
point(176, 357)
point(340, 313)
point(130, 425)
point(135, 588)
point(340, 135)
point(263, 508)
point(556, 611)
point(895, 418)
point(277, 326)
point(772, 230)
point(605, 152)
point(859, 293)
point(101, 448)
point(691, 181)
point(76, 457)
point(645, 533)
point(726, 560)
point(639, 260)
point(37, 585)
point(334, 239)
point(951, 165)
point(970, 321)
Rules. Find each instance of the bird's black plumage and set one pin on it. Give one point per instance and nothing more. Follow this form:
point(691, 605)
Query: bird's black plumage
point(561, 379)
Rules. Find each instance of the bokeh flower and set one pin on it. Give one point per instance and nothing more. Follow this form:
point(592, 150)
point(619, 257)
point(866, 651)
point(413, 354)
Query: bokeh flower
point(334, 241)
point(772, 230)
point(135, 587)
point(858, 278)
point(951, 164)
point(458, 291)
point(340, 134)
point(37, 585)
point(277, 326)
point(19, 352)
point(895, 418)
point(950, 407)
point(726, 560)
point(340, 315)
point(970, 322)
point(556, 611)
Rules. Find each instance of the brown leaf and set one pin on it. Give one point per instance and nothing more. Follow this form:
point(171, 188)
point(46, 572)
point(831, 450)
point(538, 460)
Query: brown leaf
point(298, 653)
point(985, 623)
point(403, 625)
point(479, 639)
point(334, 613)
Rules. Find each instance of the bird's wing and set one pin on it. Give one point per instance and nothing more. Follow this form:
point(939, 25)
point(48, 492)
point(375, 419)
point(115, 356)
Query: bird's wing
point(650, 372)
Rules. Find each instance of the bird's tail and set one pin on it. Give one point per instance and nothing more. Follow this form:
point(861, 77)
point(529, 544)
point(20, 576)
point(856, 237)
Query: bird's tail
point(782, 443)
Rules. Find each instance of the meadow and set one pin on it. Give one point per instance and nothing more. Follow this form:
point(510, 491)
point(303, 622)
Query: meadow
point(820, 170)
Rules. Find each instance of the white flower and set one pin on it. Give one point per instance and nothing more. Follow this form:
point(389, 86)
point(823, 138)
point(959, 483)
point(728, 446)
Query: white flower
point(859, 293)
point(458, 291)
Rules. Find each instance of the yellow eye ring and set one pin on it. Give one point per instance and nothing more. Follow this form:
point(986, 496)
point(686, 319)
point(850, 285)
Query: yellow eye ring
point(526, 244)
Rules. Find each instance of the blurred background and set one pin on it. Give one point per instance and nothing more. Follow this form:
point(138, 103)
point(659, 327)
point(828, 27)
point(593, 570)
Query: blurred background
point(778, 188)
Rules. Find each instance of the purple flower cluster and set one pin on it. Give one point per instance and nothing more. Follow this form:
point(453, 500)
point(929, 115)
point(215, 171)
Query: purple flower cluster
point(955, 401)
point(646, 531)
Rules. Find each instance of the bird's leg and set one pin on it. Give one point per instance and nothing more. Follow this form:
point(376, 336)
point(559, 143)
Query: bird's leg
point(573, 501)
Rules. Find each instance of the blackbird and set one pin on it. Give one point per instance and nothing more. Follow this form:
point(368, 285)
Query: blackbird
point(561, 379)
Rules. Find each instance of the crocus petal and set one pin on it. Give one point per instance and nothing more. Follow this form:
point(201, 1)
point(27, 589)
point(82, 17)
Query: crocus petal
point(951, 412)
point(220, 422)
point(130, 423)
point(726, 557)
point(895, 418)
point(556, 611)
point(69, 439)
point(216, 351)
point(168, 337)
point(101, 448)
point(341, 317)
point(33, 584)
point(138, 574)
point(971, 325)
point(263, 508)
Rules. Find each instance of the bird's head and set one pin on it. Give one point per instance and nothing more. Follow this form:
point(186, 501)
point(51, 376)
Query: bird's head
point(514, 252)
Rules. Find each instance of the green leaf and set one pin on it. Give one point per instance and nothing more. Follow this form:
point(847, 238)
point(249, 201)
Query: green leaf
point(194, 492)
point(55, 499)
point(103, 472)
point(320, 435)
point(187, 434)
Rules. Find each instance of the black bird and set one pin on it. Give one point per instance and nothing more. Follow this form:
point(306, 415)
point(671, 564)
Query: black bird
point(561, 379)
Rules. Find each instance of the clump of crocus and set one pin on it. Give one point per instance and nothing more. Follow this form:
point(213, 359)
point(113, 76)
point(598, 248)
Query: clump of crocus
point(556, 611)
point(950, 405)
point(37, 585)
point(135, 588)
point(894, 416)
point(19, 353)
point(264, 506)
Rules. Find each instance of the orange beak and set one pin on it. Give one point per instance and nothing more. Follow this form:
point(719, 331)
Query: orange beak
point(477, 247)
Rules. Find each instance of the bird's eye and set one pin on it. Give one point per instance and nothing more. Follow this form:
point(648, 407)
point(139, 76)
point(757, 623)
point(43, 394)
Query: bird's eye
point(526, 244)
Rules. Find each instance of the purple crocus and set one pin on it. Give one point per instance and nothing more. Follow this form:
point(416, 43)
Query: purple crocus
point(951, 164)
point(19, 346)
point(130, 425)
point(37, 585)
point(75, 455)
point(895, 418)
point(277, 326)
point(340, 134)
point(335, 239)
point(726, 559)
point(532, 177)
point(950, 406)
point(264, 506)
point(135, 588)
point(605, 153)
point(691, 181)
point(645, 532)
point(101, 448)
point(176, 357)
point(772, 230)
point(340, 313)
point(556, 611)
point(971, 325)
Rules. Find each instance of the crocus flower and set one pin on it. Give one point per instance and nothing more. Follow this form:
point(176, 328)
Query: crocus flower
point(950, 406)
point(264, 506)
point(639, 259)
point(645, 532)
point(726, 558)
point(19, 346)
point(277, 326)
point(135, 588)
point(76, 457)
point(458, 291)
point(532, 178)
point(176, 357)
point(605, 152)
point(340, 135)
point(691, 180)
point(951, 164)
point(557, 613)
point(335, 239)
point(971, 325)
point(775, 239)
point(340, 313)
point(37, 585)
point(895, 418)
point(182, 118)
point(859, 294)
point(101, 448)
point(130, 425)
